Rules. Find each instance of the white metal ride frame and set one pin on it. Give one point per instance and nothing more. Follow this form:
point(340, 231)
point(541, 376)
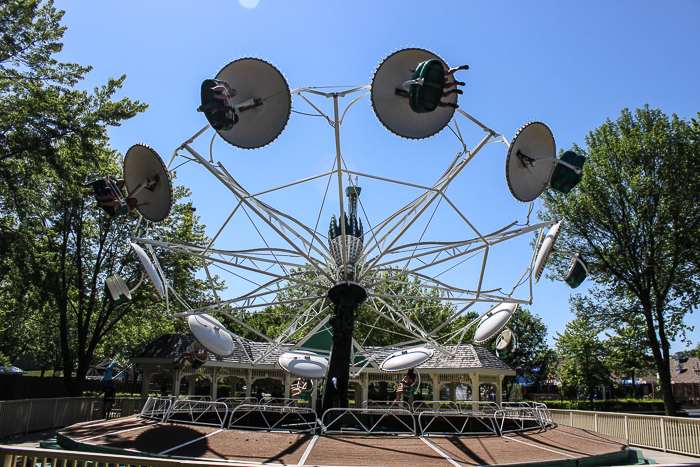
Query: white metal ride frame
point(305, 261)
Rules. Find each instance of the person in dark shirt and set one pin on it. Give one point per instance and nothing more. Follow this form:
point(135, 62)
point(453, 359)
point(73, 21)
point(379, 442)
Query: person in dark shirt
point(277, 395)
point(110, 394)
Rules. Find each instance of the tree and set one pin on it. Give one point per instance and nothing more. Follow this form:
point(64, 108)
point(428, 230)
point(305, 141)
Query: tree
point(582, 356)
point(628, 350)
point(635, 218)
point(532, 357)
point(694, 352)
point(371, 329)
point(56, 246)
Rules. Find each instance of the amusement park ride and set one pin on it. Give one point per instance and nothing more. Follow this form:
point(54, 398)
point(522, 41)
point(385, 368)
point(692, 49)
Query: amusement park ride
point(414, 94)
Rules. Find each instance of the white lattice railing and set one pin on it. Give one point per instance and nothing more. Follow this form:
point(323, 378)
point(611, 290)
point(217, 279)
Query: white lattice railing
point(674, 434)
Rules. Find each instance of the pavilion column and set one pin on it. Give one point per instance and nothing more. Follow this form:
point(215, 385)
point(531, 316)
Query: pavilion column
point(453, 392)
point(314, 396)
point(365, 388)
point(214, 382)
point(287, 386)
point(249, 383)
point(191, 382)
point(233, 381)
point(476, 396)
point(358, 393)
point(176, 374)
point(145, 381)
point(499, 390)
point(436, 390)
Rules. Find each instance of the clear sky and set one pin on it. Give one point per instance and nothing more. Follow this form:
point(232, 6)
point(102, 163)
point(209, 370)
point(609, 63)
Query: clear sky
point(571, 65)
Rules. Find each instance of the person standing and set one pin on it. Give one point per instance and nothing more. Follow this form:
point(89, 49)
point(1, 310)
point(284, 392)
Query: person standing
point(110, 394)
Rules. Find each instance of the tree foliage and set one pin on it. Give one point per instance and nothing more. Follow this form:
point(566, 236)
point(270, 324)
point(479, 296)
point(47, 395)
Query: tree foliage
point(635, 218)
point(628, 351)
point(582, 356)
point(56, 246)
point(373, 327)
point(532, 358)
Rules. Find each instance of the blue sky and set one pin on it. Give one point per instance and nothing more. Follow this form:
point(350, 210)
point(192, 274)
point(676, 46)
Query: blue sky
point(571, 65)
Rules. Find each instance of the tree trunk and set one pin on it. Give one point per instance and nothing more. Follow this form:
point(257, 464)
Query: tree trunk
point(661, 358)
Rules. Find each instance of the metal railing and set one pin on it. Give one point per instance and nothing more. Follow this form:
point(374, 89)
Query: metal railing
point(274, 417)
point(198, 412)
point(27, 415)
point(435, 406)
point(518, 419)
point(233, 402)
point(446, 422)
point(368, 421)
point(486, 407)
point(669, 434)
point(372, 404)
point(157, 407)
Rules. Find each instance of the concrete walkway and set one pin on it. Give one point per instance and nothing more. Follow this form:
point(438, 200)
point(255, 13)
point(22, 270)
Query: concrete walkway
point(31, 440)
point(667, 458)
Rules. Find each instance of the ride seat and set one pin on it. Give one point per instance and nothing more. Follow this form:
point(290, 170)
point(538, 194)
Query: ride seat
point(577, 273)
point(565, 178)
point(426, 97)
point(409, 391)
point(215, 109)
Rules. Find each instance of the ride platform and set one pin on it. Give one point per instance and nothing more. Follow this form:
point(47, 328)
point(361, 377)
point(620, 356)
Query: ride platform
point(559, 445)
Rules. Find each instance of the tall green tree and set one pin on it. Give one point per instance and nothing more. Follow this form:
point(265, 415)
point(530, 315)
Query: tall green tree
point(582, 356)
point(532, 358)
point(635, 218)
point(56, 246)
point(628, 351)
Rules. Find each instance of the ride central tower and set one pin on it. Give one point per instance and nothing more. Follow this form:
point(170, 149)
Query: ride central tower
point(345, 239)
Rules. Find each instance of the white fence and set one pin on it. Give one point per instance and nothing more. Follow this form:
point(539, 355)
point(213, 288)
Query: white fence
point(673, 434)
point(26, 415)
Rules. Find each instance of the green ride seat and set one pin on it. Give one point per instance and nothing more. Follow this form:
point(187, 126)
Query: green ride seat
point(305, 396)
point(425, 98)
point(565, 178)
point(505, 343)
point(410, 390)
point(577, 273)
point(215, 109)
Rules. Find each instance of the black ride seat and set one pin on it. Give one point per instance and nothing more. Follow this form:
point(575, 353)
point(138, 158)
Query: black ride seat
point(215, 109)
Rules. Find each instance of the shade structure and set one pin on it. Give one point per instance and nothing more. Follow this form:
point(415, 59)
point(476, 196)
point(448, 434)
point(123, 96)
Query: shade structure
point(303, 363)
point(493, 321)
point(406, 358)
point(394, 110)
point(263, 102)
point(546, 249)
point(150, 269)
point(144, 167)
point(526, 175)
point(211, 334)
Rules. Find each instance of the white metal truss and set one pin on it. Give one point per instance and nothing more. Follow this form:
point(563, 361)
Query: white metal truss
point(304, 264)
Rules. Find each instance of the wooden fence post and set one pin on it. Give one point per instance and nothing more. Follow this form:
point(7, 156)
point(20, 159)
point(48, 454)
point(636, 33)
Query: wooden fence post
point(663, 434)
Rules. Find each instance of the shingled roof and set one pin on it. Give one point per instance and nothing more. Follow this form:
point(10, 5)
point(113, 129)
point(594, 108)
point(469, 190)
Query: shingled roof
point(466, 356)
